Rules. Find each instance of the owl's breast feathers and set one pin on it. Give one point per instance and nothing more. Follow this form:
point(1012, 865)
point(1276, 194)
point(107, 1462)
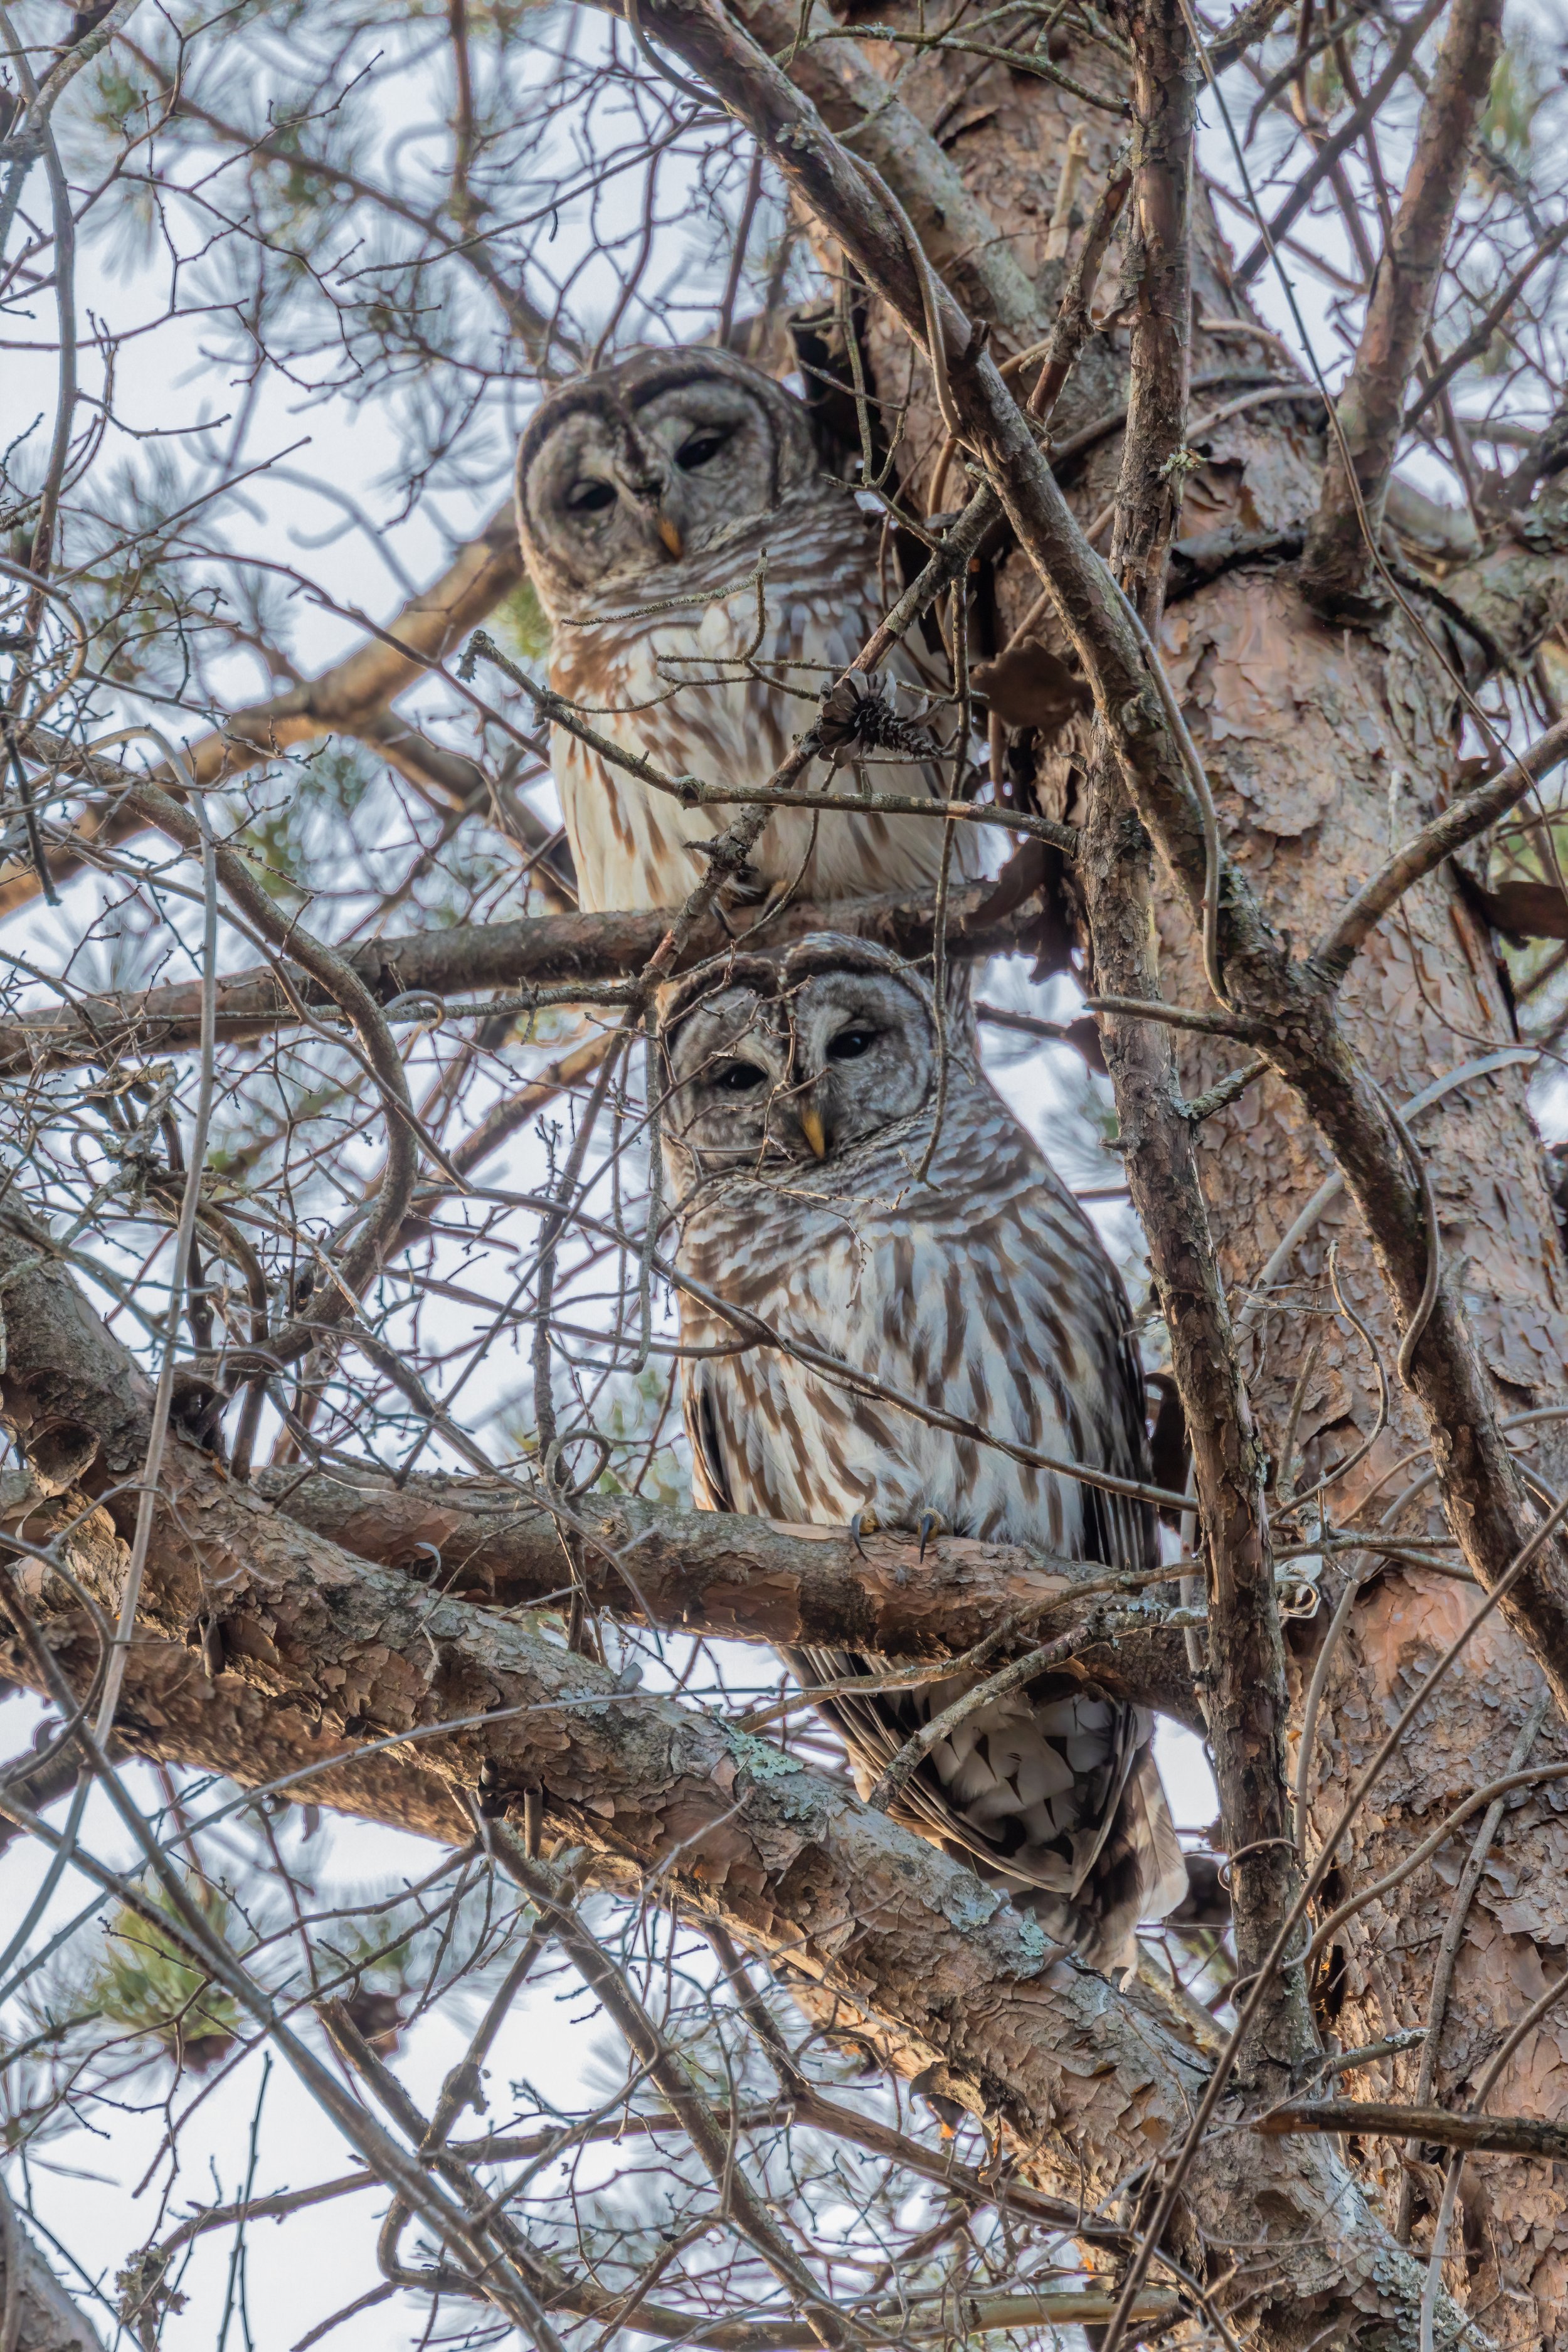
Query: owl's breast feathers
point(985, 1293)
point(701, 691)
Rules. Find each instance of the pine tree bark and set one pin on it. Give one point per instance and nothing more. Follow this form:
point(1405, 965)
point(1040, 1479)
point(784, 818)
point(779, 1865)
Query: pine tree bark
point(1327, 747)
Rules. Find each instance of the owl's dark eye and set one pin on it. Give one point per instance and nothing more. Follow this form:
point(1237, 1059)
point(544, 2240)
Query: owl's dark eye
point(587, 498)
point(702, 446)
point(739, 1077)
point(850, 1044)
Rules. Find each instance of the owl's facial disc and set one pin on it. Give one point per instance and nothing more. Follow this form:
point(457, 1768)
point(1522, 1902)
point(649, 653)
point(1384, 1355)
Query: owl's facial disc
point(633, 467)
point(731, 1099)
point(718, 459)
point(865, 1057)
point(754, 1080)
point(593, 505)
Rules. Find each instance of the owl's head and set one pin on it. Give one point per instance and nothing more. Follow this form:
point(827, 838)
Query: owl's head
point(633, 469)
point(796, 1057)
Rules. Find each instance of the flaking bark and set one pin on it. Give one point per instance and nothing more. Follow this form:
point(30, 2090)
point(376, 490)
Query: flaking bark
point(1093, 2082)
point(46, 2319)
point(731, 1579)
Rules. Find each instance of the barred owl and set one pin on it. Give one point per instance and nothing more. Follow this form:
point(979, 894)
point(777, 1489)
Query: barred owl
point(662, 483)
point(800, 1092)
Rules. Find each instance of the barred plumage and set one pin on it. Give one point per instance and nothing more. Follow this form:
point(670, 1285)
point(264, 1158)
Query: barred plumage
point(801, 1092)
point(667, 482)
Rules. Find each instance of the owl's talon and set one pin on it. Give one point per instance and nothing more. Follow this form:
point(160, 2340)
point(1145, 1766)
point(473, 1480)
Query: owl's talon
point(864, 1523)
point(931, 1524)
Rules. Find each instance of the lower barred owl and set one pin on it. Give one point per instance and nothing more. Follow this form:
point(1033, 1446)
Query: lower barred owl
point(663, 483)
point(801, 1091)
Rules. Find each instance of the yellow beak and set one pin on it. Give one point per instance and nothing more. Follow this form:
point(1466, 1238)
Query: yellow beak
point(671, 538)
point(811, 1129)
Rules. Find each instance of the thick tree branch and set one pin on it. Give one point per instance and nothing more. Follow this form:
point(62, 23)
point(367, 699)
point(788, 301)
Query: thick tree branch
point(731, 1579)
point(1246, 1696)
point(1149, 496)
point(1074, 320)
point(1503, 2134)
point(562, 951)
point(836, 1895)
point(1244, 1688)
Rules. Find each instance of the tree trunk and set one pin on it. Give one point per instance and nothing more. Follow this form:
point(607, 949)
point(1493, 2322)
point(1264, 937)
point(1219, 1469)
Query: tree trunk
point(1327, 743)
point(1327, 747)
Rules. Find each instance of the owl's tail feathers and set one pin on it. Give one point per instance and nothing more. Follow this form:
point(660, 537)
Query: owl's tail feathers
point(1139, 1874)
point(1159, 1839)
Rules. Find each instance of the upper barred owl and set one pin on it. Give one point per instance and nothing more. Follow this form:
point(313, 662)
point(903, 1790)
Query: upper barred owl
point(662, 483)
point(800, 1092)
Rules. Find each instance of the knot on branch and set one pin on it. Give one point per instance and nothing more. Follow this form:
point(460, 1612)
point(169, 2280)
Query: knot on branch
point(1140, 718)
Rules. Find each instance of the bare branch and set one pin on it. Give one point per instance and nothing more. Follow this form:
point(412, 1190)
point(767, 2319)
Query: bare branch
point(568, 954)
point(1340, 142)
point(734, 1579)
point(1371, 408)
point(1504, 2135)
point(351, 697)
point(1478, 342)
point(1465, 820)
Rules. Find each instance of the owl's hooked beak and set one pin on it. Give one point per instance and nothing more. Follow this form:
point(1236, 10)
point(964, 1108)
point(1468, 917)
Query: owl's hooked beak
point(811, 1126)
point(646, 493)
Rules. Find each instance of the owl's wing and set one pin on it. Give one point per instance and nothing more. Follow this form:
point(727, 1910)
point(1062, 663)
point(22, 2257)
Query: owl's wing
point(1051, 1791)
point(710, 1480)
point(1069, 1306)
point(1116, 1528)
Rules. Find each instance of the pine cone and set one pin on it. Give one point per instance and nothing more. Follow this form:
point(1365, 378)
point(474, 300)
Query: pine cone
point(858, 717)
